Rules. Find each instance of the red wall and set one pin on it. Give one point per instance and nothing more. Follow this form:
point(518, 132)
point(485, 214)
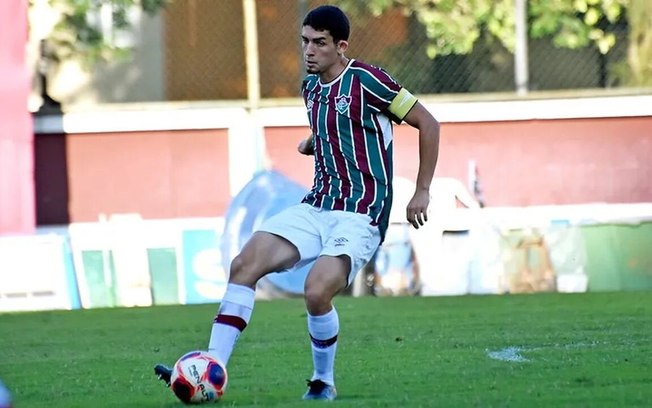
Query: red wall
point(16, 165)
point(186, 173)
point(520, 163)
point(155, 174)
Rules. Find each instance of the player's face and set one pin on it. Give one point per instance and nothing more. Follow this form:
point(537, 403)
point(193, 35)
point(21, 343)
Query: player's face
point(320, 53)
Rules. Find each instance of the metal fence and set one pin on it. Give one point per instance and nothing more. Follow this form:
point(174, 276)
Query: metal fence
point(205, 54)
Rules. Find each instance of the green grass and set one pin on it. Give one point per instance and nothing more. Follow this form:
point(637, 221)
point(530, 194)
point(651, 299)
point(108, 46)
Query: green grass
point(583, 350)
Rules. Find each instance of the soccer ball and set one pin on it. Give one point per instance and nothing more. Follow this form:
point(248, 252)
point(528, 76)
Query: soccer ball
point(197, 377)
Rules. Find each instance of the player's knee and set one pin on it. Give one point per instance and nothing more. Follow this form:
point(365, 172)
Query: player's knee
point(317, 299)
point(241, 271)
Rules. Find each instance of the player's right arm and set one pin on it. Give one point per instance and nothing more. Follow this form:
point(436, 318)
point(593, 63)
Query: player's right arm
point(307, 146)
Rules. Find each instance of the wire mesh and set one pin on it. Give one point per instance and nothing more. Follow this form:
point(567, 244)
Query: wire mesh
point(205, 58)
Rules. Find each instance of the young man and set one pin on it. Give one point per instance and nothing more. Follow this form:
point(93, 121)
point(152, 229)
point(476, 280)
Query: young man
point(342, 220)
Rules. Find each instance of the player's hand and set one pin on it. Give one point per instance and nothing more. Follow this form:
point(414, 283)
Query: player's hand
point(307, 146)
point(417, 208)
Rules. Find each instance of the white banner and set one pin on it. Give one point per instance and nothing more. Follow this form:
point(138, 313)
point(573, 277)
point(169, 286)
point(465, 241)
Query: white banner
point(32, 273)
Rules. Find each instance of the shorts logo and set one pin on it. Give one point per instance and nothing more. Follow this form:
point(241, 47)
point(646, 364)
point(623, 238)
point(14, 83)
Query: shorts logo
point(342, 103)
point(341, 241)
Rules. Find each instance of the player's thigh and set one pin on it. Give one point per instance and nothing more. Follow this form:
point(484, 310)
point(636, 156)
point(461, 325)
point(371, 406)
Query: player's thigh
point(301, 226)
point(263, 253)
point(327, 277)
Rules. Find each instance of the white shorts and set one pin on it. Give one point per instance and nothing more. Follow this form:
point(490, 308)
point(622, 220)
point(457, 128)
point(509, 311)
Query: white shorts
point(316, 231)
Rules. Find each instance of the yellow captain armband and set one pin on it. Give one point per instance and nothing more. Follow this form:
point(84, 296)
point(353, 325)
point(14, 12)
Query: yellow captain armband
point(402, 103)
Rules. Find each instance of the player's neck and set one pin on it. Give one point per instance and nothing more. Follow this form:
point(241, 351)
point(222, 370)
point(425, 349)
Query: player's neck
point(335, 70)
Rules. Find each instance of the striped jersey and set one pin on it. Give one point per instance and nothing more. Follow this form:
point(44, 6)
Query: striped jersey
point(351, 122)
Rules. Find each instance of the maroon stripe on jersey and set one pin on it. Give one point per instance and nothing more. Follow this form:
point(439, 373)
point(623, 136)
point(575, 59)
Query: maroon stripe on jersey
point(369, 192)
point(359, 143)
point(368, 179)
point(319, 160)
point(377, 72)
point(375, 101)
point(338, 158)
point(325, 178)
point(333, 137)
point(331, 113)
point(355, 121)
point(346, 191)
point(233, 321)
point(319, 147)
point(338, 204)
point(381, 76)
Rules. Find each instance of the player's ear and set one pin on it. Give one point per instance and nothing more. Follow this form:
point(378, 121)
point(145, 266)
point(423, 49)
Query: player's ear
point(342, 46)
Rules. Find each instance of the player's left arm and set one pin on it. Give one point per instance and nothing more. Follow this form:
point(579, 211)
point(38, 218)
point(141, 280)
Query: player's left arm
point(420, 118)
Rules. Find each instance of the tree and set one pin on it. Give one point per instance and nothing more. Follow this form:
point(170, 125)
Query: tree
point(636, 70)
point(454, 26)
point(87, 28)
point(451, 26)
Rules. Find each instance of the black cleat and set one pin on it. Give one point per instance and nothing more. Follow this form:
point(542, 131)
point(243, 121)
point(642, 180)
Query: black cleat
point(163, 373)
point(319, 390)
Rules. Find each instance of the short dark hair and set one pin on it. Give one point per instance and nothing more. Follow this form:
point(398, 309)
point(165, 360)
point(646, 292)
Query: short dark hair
point(329, 18)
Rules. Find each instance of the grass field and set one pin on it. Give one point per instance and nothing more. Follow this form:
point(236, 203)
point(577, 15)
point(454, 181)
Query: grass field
point(549, 350)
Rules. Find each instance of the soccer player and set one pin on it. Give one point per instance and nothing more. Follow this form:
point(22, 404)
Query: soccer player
point(342, 220)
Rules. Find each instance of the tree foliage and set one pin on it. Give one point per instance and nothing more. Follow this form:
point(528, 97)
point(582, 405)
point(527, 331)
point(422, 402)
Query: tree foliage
point(83, 32)
point(453, 26)
point(577, 23)
point(636, 70)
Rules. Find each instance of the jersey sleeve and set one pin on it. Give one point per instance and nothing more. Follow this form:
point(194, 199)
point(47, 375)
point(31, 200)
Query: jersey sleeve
point(386, 95)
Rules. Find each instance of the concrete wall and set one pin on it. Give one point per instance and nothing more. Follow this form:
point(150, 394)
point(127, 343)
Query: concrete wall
point(167, 166)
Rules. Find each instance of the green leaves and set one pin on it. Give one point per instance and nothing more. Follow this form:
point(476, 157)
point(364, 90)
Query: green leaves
point(577, 24)
point(453, 26)
point(89, 29)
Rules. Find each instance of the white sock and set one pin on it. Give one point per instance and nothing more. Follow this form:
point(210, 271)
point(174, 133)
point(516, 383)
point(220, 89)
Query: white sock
point(323, 332)
point(232, 318)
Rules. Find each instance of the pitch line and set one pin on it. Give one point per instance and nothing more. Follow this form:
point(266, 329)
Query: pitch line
point(512, 354)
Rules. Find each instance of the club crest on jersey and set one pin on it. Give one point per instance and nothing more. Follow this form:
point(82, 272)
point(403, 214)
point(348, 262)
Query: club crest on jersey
point(342, 103)
point(309, 104)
